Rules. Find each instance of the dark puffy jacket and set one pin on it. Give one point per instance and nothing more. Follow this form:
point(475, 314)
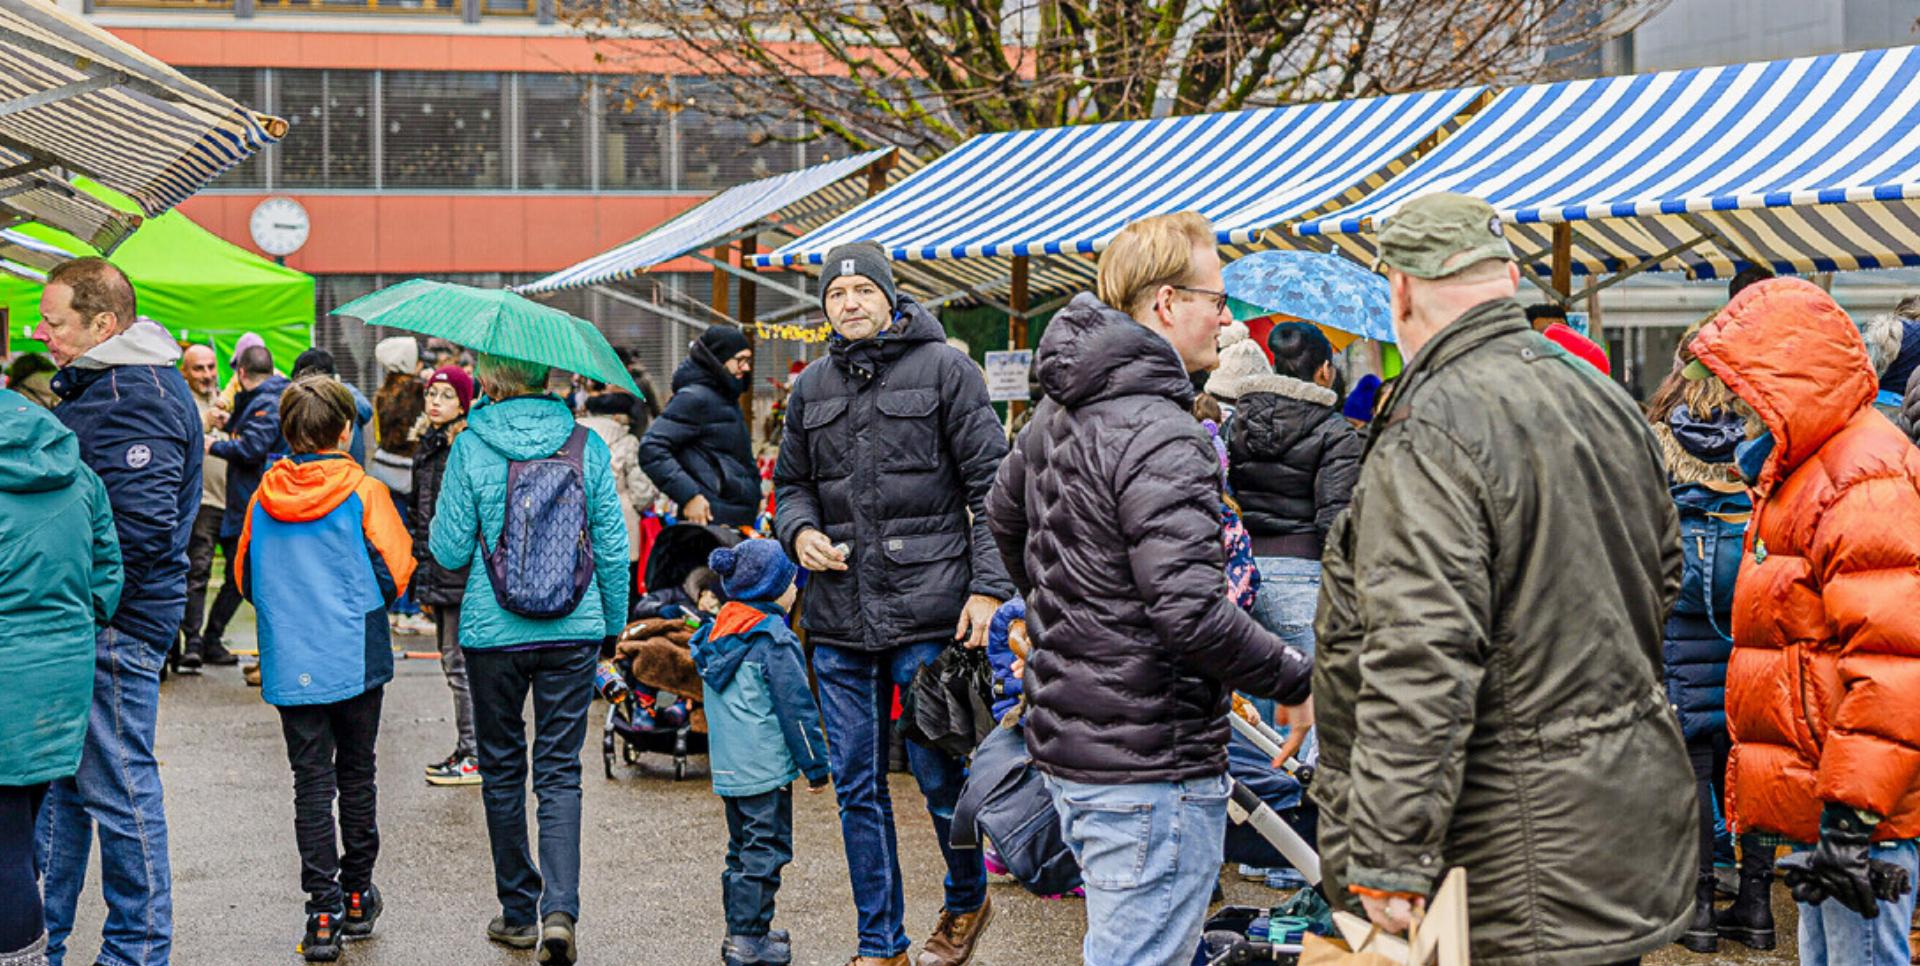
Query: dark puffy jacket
point(1488, 655)
point(1293, 458)
point(253, 443)
point(140, 432)
point(700, 445)
point(1909, 420)
point(891, 446)
point(432, 584)
point(1108, 516)
point(1714, 508)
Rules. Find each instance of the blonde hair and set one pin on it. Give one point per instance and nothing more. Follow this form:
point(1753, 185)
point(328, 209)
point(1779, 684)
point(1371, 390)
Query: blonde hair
point(1150, 253)
point(502, 377)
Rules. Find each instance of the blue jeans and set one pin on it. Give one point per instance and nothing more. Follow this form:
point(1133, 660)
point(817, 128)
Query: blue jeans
point(856, 708)
point(117, 789)
point(1288, 598)
point(561, 679)
point(759, 845)
point(1833, 935)
point(1150, 856)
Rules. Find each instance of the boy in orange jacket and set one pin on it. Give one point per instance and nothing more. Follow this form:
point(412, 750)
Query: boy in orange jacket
point(321, 555)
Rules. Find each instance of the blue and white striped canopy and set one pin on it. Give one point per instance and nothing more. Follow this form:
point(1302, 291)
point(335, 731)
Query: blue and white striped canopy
point(729, 212)
point(1067, 191)
point(76, 99)
point(1806, 165)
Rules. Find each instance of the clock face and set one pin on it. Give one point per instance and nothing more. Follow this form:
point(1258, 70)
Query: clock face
point(279, 226)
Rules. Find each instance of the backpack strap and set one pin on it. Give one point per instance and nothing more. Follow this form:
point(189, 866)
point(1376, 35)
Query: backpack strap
point(574, 450)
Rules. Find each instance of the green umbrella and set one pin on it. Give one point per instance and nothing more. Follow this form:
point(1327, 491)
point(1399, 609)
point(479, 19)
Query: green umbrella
point(497, 322)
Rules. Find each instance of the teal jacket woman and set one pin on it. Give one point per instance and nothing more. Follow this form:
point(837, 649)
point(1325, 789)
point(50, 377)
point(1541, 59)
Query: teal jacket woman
point(59, 583)
point(473, 506)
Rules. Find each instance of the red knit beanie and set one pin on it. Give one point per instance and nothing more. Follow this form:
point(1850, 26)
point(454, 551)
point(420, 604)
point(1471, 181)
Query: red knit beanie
point(457, 378)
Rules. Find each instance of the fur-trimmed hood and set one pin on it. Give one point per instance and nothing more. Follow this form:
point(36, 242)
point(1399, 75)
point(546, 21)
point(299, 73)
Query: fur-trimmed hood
point(1685, 468)
point(1290, 388)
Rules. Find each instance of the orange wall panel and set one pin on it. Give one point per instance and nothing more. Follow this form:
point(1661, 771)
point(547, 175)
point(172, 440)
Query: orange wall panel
point(392, 234)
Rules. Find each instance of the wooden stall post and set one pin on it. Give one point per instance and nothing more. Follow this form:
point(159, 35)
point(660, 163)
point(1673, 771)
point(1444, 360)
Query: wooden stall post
point(1019, 298)
point(721, 253)
point(1562, 262)
point(749, 297)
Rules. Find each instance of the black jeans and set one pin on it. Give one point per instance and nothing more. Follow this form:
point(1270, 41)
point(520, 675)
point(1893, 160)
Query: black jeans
point(561, 679)
point(206, 536)
point(1708, 755)
point(759, 845)
point(21, 919)
point(228, 600)
point(330, 747)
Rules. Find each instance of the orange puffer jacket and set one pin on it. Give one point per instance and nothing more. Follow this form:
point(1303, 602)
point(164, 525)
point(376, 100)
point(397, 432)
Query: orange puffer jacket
point(1823, 690)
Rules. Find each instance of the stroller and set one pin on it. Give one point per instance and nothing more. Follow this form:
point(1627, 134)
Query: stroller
point(642, 718)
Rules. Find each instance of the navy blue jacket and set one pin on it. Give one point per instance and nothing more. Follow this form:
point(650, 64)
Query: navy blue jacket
point(701, 446)
point(362, 415)
point(254, 443)
point(1698, 638)
point(140, 433)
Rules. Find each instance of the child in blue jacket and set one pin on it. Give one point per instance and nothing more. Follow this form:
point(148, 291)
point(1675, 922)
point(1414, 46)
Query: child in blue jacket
point(763, 731)
point(322, 553)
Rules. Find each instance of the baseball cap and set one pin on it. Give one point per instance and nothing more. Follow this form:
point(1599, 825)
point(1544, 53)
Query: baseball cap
point(1438, 234)
point(1695, 371)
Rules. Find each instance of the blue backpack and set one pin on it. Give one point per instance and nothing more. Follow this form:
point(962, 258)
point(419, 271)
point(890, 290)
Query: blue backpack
point(544, 561)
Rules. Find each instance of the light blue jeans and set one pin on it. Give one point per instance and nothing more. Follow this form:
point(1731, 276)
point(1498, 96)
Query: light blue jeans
point(1288, 598)
point(1150, 856)
point(1833, 935)
point(118, 790)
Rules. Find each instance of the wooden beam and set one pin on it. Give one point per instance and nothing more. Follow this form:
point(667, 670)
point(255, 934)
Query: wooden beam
point(749, 296)
point(1562, 261)
point(877, 172)
point(1020, 298)
point(721, 254)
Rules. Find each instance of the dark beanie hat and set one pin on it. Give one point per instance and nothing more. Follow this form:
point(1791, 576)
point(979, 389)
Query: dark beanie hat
point(859, 258)
point(724, 341)
point(754, 570)
point(317, 360)
point(457, 378)
point(611, 404)
point(1360, 401)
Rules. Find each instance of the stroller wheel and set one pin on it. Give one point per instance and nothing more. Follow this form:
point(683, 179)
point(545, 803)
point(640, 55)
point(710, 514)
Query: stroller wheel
point(606, 761)
point(679, 769)
point(628, 755)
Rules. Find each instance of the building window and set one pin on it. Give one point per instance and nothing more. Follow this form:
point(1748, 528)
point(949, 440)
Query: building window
point(247, 85)
point(717, 151)
point(329, 142)
point(444, 130)
point(636, 141)
point(556, 120)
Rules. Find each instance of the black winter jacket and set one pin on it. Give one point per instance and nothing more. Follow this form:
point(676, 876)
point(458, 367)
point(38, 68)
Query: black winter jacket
point(700, 445)
point(891, 446)
point(140, 431)
point(1108, 515)
point(1293, 458)
point(253, 443)
point(432, 584)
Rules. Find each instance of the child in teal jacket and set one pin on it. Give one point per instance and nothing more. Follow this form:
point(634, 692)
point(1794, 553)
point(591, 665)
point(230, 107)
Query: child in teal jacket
point(763, 732)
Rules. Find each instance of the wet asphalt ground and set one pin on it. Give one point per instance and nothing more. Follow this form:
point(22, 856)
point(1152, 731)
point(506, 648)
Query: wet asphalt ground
point(653, 849)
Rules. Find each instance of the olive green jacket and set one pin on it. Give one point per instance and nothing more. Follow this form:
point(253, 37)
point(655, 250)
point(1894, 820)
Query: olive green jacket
point(1488, 678)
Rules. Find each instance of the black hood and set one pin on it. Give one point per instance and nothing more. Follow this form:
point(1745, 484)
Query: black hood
point(1092, 352)
point(701, 367)
point(1707, 440)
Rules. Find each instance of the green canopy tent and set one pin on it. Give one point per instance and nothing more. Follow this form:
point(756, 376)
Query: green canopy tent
point(200, 287)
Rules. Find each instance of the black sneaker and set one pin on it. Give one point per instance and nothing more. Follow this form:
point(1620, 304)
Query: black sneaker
point(362, 909)
point(184, 659)
point(556, 940)
point(215, 652)
point(322, 942)
point(516, 937)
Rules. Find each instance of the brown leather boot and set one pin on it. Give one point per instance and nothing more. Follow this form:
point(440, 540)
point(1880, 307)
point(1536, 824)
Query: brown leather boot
point(900, 960)
point(954, 939)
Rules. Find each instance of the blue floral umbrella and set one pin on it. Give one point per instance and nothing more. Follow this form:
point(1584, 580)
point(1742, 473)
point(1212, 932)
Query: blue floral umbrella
point(1325, 289)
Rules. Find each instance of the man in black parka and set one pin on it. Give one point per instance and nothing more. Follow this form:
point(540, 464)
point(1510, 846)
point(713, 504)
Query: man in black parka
point(891, 446)
point(700, 451)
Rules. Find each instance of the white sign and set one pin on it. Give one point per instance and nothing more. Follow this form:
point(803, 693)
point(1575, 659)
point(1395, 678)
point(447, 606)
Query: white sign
point(1007, 375)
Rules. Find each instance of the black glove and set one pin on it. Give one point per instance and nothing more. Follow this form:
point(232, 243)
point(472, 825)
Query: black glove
point(1837, 868)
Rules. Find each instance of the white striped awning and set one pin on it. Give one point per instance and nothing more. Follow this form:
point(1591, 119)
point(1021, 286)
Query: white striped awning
point(775, 201)
point(1062, 193)
point(28, 257)
point(74, 99)
point(1805, 165)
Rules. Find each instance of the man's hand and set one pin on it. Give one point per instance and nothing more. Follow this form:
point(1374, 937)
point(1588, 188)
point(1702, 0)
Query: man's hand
point(1393, 914)
point(817, 553)
point(215, 418)
point(975, 620)
point(698, 510)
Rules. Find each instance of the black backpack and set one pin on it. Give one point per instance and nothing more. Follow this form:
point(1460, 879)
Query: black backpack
point(1005, 798)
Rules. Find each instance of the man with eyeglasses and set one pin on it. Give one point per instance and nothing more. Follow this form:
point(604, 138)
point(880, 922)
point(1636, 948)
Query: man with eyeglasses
point(1108, 516)
point(890, 448)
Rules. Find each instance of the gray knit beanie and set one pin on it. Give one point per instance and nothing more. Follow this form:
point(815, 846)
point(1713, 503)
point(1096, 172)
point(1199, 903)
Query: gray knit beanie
point(859, 258)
